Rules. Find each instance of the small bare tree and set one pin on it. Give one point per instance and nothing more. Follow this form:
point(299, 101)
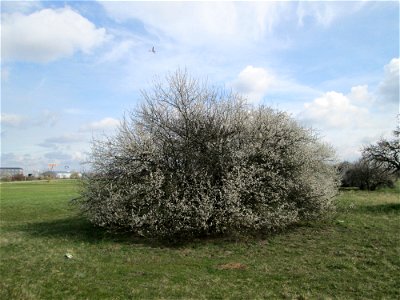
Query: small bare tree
point(365, 175)
point(385, 153)
point(195, 160)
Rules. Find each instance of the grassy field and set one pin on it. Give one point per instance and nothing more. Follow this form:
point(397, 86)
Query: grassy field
point(354, 256)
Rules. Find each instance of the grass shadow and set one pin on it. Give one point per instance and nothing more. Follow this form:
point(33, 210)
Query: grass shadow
point(381, 208)
point(79, 229)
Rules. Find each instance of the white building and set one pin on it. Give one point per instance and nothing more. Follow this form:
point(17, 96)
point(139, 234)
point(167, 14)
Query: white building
point(10, 172)
point(62, 174)
point(66, 174)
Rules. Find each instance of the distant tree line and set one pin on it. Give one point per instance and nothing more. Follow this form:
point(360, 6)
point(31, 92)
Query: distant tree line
point(43, 176)
point(379, 165)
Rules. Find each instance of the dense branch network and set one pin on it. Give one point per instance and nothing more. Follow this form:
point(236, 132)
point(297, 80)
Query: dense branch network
point(385, 153)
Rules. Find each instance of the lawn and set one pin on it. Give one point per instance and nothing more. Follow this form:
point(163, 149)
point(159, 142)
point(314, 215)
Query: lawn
point(355, 255)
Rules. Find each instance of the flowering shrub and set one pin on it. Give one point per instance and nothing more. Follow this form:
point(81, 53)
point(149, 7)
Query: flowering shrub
point(194, 160)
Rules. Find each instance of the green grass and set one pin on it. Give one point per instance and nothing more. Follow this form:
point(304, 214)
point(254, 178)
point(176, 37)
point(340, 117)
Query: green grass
point(354, 256)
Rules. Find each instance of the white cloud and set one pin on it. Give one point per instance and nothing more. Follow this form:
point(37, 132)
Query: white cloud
point(256, 83)
point(5, 73)
point(46, 118)
point(21, 122)
point(358, 118)
point(74, 111)
point(67, 139)
point(35, 162)
point(359, 94)
point(19, 160)
point(224, 24)
point(78, 156)
point(58, 157)
point(334, 109)
point(20, 6)
point(48, 34)
point(104, 124)
point(325, 13)
point(253, 83)
point(120, 51)
point(213, 22)
point(389, 86)
point(12, 120)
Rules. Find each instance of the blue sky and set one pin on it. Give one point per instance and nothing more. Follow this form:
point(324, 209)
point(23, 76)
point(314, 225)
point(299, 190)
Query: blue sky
point(71, 69)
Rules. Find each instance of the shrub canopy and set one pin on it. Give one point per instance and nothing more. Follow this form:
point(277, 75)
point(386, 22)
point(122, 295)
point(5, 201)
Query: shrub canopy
point(195, 160)
point(366, 175)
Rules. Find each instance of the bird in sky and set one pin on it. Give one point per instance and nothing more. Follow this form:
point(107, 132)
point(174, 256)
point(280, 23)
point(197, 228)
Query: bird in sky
point(152, 50)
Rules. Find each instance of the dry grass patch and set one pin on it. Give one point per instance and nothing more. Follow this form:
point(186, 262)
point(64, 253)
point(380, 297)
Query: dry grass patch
point(232, 266)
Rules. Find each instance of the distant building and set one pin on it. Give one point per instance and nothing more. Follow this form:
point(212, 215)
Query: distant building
point(65, 174)
point(62, 174)
point(10, 172)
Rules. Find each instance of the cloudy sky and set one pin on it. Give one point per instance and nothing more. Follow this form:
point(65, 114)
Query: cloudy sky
point(70, 69)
